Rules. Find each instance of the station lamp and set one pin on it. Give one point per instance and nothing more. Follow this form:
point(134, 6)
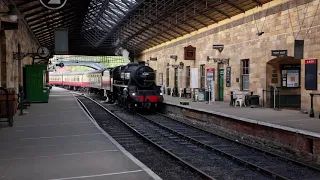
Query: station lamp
point(12, 14)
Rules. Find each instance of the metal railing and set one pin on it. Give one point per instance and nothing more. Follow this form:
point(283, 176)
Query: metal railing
point(274, 93)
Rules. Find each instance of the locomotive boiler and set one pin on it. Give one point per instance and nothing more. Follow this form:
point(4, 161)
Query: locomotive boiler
point(134, 86)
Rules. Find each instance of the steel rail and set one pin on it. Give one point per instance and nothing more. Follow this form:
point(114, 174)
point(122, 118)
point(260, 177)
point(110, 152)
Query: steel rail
point(203, 174)
point(243, 144)
point(234, 158)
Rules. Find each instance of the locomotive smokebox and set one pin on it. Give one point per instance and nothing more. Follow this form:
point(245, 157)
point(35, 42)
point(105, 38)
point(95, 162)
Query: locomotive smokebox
point(142, 63)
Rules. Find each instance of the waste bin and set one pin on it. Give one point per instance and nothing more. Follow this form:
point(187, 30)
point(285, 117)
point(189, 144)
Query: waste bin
point(254, 101)
point(168, 91)
point(206, 96)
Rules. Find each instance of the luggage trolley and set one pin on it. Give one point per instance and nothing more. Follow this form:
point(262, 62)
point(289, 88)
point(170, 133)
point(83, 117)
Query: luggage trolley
point(7, 106)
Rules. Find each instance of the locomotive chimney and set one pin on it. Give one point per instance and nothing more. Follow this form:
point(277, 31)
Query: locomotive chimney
point(142, 63)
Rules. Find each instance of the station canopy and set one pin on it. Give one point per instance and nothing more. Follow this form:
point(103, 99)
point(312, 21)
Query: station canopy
point(99, 27)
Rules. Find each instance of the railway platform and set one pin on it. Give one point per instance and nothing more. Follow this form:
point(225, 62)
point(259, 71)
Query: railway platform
point(288, 132)
point(57, 140)
point(290, 120)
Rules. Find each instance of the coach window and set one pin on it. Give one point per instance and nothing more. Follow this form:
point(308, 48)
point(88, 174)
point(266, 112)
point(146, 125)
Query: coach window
point(188, 77)
point(203, 76)
point(245, 74)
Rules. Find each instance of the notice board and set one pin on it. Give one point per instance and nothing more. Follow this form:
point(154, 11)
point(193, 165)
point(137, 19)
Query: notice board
point(311, 74)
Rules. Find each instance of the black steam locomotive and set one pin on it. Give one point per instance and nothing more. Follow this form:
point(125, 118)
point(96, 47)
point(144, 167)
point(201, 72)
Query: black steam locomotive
point(133, 86)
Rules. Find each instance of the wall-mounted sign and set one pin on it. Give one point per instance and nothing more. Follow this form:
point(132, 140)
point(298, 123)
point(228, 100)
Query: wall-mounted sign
point(190, 53)
point(210, 83)
point(311, 78)
point(53, 4)
point(160, 79)
point(290, 75)
point(228, 77)
point(279, 53)
point(153, 59)
point(219, 47)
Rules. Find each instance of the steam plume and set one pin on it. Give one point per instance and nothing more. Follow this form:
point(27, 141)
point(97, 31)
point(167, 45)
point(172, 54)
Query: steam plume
point(125, 54)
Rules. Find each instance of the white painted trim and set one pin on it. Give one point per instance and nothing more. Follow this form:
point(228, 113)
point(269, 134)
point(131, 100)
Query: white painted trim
point(299, 131)
point(129, 155)
point(49, 137)
point(98, 175)
point(69, 154)
point(54, 145)
point(59, 124)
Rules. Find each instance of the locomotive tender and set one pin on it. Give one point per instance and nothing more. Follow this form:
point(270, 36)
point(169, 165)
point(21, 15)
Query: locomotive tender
point(132, 85)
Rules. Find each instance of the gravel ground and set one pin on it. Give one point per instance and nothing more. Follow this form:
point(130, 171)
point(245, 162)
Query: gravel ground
point(161, 163)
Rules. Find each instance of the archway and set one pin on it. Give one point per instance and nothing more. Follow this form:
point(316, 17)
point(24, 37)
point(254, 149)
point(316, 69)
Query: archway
point(284, 73)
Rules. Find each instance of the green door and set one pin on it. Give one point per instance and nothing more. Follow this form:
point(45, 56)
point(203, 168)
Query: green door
point(35, 83)
point(221, 84)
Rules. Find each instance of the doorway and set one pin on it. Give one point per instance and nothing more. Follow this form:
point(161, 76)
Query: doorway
point(221, 84)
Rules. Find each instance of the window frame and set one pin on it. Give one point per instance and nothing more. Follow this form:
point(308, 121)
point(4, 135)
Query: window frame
point(245, 72)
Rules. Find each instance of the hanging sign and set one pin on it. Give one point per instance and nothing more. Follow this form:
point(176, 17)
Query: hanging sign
point(219, 47)
point(53, 4)
point(311, 78)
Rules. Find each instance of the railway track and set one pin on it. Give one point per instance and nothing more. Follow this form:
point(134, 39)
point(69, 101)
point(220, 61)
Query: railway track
point(160, 160)
point(278, 167)
point(212, 155)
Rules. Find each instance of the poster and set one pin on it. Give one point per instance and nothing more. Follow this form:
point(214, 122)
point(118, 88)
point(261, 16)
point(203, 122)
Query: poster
point(195, 78)
point(210, 83)
point(293, 78)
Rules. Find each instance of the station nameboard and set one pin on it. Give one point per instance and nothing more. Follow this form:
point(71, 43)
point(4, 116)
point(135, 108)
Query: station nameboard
point(279, 52)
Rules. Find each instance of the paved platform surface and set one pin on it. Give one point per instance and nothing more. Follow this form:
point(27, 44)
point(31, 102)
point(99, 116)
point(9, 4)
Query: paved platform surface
point(291, 120)
point(57, 140)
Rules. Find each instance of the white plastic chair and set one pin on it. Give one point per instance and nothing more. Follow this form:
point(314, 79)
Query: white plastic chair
point(240, 98)
point(180, 92)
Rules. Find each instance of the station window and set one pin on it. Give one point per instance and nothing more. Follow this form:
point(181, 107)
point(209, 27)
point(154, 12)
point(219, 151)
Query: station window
point(245, 74)
point(188, 77)
point(167, 78)
point(203, 76)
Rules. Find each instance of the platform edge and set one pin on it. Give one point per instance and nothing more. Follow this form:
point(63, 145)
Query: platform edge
point(122, 149)
point(247, 120)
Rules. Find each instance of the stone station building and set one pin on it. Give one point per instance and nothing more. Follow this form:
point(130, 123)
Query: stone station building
point(248, 55)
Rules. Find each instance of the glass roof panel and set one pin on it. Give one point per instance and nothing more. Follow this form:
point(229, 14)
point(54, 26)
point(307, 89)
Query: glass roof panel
point(106, 13)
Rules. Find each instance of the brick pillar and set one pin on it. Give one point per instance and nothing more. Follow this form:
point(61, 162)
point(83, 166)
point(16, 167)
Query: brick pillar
point(3, 54)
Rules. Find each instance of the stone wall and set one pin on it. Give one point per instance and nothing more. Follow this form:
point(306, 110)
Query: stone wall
point(13, 38)
point(238, 34)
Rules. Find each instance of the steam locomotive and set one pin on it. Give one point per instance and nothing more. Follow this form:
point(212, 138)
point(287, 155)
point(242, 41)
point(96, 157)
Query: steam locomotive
point(131, 86)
